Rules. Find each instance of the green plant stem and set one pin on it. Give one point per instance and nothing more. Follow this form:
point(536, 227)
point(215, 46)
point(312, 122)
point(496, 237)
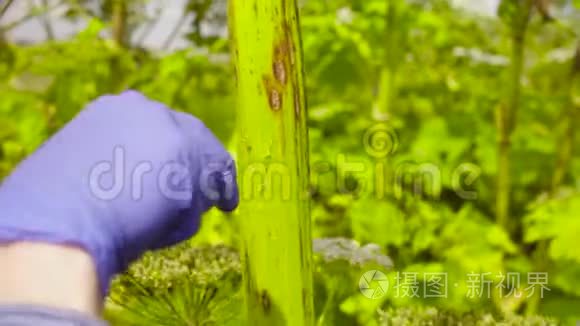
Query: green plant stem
point(119, 22)
point(387, 86)
point(46, 22)
point(507, 116)
point(5, 6)
point(503, 182)
point(273, 145)
point(119, 18)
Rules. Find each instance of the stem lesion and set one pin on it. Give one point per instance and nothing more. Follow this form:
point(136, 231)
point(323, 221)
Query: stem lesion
point(267, 54)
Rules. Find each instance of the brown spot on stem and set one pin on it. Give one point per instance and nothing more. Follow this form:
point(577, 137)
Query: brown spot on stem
point(280, 62)
point(275, 84)
point(248, 272)
point(282, 49)
point(289, 45)
point(265, 301)
point(275, 99)
point(274, 92)
point(280, 72)
point(297, 103)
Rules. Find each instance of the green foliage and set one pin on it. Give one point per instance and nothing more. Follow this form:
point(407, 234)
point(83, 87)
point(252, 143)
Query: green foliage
point(554, 220)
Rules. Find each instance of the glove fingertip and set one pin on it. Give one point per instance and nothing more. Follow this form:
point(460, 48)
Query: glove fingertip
point(228, 189)
point(229, 205)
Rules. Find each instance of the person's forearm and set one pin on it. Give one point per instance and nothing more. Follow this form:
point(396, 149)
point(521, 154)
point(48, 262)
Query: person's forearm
point(49, 275)
point(92, 199)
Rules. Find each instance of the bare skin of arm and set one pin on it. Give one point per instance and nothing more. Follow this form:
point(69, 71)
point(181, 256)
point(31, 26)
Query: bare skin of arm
point(48, 275)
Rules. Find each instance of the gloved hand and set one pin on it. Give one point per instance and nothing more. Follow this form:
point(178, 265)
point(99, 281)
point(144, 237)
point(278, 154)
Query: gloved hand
point(126, 175)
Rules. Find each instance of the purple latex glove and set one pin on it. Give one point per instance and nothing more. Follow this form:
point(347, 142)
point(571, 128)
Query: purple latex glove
point(126, 175)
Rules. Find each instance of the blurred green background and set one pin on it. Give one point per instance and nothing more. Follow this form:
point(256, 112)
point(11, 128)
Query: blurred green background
point(430, 92)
